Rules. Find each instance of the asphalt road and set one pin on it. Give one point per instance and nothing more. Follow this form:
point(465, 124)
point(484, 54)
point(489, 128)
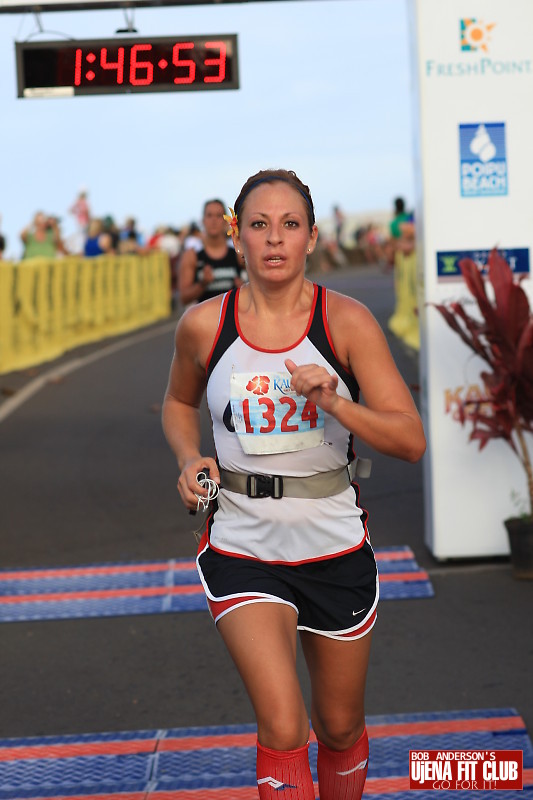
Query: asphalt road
point(86, 477)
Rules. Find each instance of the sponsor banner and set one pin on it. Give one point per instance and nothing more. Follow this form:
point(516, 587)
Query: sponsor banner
point(448, 261)
point(474, 70)
point(464, 770)
point(475, 40)
point(483, 159)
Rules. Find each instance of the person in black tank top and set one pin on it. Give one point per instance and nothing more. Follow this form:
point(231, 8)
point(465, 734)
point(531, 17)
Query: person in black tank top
point(261, 603)
point(216, 268)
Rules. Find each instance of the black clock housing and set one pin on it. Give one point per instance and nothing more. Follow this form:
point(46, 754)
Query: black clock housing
point(123, 65)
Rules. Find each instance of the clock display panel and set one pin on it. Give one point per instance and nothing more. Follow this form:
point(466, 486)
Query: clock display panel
point(102, 66)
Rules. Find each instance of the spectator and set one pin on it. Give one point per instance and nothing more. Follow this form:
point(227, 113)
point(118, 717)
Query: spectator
point(193, 240)
point(98, 241)
point(407, 241)
point(371, 243)
point(42, 237)
point(3, 243)
point(331, 255)
point(338, 217)
point(168, 241)
point(112, 231)
point(153, 241)
point(80, 209)
point(130, 239)
point(400, 216)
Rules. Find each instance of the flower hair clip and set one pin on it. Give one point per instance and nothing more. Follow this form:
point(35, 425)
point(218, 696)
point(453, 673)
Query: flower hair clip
point(232, 222)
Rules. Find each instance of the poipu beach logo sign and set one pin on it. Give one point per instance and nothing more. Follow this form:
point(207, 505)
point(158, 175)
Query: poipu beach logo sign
point(483, 159)
point(475, 34)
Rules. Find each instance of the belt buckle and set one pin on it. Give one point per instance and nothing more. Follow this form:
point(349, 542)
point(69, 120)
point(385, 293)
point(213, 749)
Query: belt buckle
point(264, 486)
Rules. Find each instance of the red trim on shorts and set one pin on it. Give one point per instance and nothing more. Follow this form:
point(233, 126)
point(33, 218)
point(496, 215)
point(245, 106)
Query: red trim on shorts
point(288, 563)
point(283, 349)
point(357, 632)
point(354, 633)
point(219, 607)
point(219, 329)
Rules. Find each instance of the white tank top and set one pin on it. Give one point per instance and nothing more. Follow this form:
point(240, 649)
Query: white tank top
point(261, 426)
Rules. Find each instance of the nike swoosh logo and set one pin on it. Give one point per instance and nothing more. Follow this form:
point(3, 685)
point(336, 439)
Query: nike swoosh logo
point(355, 613)
point(277, 785)
point(362, 765)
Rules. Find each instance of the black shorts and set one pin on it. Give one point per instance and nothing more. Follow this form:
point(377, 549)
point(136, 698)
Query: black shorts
point(335, 597)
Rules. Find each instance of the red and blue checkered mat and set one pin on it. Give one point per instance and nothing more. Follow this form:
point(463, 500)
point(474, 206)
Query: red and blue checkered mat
point(219, 763)
point(110, 590)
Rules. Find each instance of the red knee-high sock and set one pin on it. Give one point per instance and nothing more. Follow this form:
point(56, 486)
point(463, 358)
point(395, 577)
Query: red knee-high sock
point(342, 774)
point(284, 775)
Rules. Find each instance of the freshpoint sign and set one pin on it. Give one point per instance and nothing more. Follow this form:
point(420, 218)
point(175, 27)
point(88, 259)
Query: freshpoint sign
point(485, 66)
point(475, 36)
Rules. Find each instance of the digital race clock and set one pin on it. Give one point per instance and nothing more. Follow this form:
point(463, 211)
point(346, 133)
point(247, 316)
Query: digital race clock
point(102, 66)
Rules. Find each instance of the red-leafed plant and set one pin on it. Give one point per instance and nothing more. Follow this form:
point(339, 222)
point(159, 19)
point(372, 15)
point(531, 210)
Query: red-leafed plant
point(503, 338)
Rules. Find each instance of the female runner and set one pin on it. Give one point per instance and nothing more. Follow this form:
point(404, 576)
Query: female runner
point(286, 547)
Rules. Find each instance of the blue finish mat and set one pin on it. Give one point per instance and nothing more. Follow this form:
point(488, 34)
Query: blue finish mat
point(108, 590)
point(219, 763)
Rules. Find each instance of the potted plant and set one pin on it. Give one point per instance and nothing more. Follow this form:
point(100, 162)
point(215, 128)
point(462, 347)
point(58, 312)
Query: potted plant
point(501, 333)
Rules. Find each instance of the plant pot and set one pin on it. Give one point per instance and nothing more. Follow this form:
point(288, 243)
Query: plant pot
point(520, 533)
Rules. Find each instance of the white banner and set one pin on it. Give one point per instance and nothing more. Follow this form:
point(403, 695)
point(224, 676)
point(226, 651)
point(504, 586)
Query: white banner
point(474, 69)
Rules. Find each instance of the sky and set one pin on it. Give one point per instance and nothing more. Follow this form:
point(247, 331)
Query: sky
point(325, 89)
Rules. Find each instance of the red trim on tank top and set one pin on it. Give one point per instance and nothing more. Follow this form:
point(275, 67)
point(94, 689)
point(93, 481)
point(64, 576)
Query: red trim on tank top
point(283, 349)
point(284, 563)
point(219, 329)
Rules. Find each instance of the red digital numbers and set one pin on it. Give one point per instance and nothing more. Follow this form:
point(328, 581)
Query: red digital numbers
point(77, 67)
point(145, 78)
point(185, 62)
point(219, 62)
point(190, 65)
point(118, 64)
point(147, 64)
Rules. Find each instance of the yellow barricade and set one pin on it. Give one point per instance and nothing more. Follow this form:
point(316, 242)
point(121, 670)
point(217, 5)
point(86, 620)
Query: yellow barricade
point(49, 306)
point(404, 323)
